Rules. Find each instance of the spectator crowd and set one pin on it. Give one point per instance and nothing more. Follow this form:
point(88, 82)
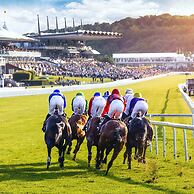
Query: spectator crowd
point(90, 68)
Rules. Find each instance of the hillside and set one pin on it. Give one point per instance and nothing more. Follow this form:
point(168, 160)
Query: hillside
point(163, 33)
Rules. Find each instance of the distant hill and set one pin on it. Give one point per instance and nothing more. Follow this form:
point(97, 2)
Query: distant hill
point(163, 33)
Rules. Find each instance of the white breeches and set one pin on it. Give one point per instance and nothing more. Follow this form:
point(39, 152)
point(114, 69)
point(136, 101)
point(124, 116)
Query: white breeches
point(56, 101)
point(140, 106)
point(79, 105)
point(116, 109)
point(98, 105)
point(128, 105)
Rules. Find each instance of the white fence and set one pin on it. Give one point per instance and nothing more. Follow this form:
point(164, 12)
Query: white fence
point(174, 127)
point(188, 100)
point(8, 92)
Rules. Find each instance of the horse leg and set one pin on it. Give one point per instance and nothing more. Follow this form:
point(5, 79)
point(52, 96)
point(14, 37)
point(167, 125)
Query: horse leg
point(117, 149)
point(139, 153)
point(89, 146)
point(77, 147)
point(98, 158)
point(108, 150)
point(69, 148)
point(129, 152)
point(101, 156)
point(125, 155)
point(136, 154)
point(144, 153)
point(61, 155)
point(48, 163)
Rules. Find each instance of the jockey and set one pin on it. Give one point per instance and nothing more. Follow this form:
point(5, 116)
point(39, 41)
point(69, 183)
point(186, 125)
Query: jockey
point(128, 93)
point(136, 104)
point(96, 105)
point(114, 107)
point(55, 99)
point(106, 95)
point(79, 104)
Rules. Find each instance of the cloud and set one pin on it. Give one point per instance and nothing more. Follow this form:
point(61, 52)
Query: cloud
point(24, 19)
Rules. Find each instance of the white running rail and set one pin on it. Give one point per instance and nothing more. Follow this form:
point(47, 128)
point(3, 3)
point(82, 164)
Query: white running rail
point(174, 126)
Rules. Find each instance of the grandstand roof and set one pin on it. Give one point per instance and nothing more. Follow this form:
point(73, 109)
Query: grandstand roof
point(145, 55)
point(6, 35)
point(77, 35)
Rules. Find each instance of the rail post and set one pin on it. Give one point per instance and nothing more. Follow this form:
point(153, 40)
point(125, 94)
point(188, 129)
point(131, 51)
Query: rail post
point(174, 141)
point(164, 142)
point(156, 139)
point(150, 116)
point(193, 120)
point(185, 145)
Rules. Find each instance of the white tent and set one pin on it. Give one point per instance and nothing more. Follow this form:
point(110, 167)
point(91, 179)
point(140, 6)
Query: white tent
point(6, 35)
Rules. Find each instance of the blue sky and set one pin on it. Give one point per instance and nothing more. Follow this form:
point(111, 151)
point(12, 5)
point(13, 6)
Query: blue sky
point(21, 15)
point(26, 3)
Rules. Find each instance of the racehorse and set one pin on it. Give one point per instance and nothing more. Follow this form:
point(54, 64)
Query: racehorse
point(92, 136)
point(77, 123)
point(139, 136)
point(113, 136)
point(57, 130)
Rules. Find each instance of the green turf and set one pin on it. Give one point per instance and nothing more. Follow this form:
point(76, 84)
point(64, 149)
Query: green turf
point(23, 152)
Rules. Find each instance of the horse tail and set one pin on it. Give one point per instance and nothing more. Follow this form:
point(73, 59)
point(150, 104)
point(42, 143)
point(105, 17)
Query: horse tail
point(139, 114)
point(58, 135)
point(117, 136)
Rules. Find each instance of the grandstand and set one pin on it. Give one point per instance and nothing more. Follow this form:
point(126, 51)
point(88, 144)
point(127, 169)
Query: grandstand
point(64, 43)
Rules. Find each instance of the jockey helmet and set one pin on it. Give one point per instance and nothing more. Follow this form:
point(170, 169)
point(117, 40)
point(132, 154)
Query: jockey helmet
point(129, 91)
point(106, 93)
point(116, 91)
point(97, 94)
point(138, 95)
point(56, 91)
point(79, 94)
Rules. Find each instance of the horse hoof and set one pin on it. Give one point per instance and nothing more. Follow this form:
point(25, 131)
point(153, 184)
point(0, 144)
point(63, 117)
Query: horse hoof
point(62, 166)
point(140, 160)
point(104, 161)
point(135, 157)
point(47, 165)
point(60, 160)
point(97, 167)
point(144, 161)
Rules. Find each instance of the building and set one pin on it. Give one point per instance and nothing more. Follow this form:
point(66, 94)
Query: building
point(148, 58)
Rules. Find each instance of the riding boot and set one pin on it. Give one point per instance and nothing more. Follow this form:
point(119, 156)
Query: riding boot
point(105, 119)
point(124, 116)
point(44, 124)
point(130, 118)
point(87, 124)
point(64, 115)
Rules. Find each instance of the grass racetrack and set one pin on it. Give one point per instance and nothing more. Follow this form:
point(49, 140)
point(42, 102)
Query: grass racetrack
point(23, 152)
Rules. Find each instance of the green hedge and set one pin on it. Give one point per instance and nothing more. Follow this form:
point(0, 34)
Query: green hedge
point(32, 74)
point(21, 75)
point(35, 82)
